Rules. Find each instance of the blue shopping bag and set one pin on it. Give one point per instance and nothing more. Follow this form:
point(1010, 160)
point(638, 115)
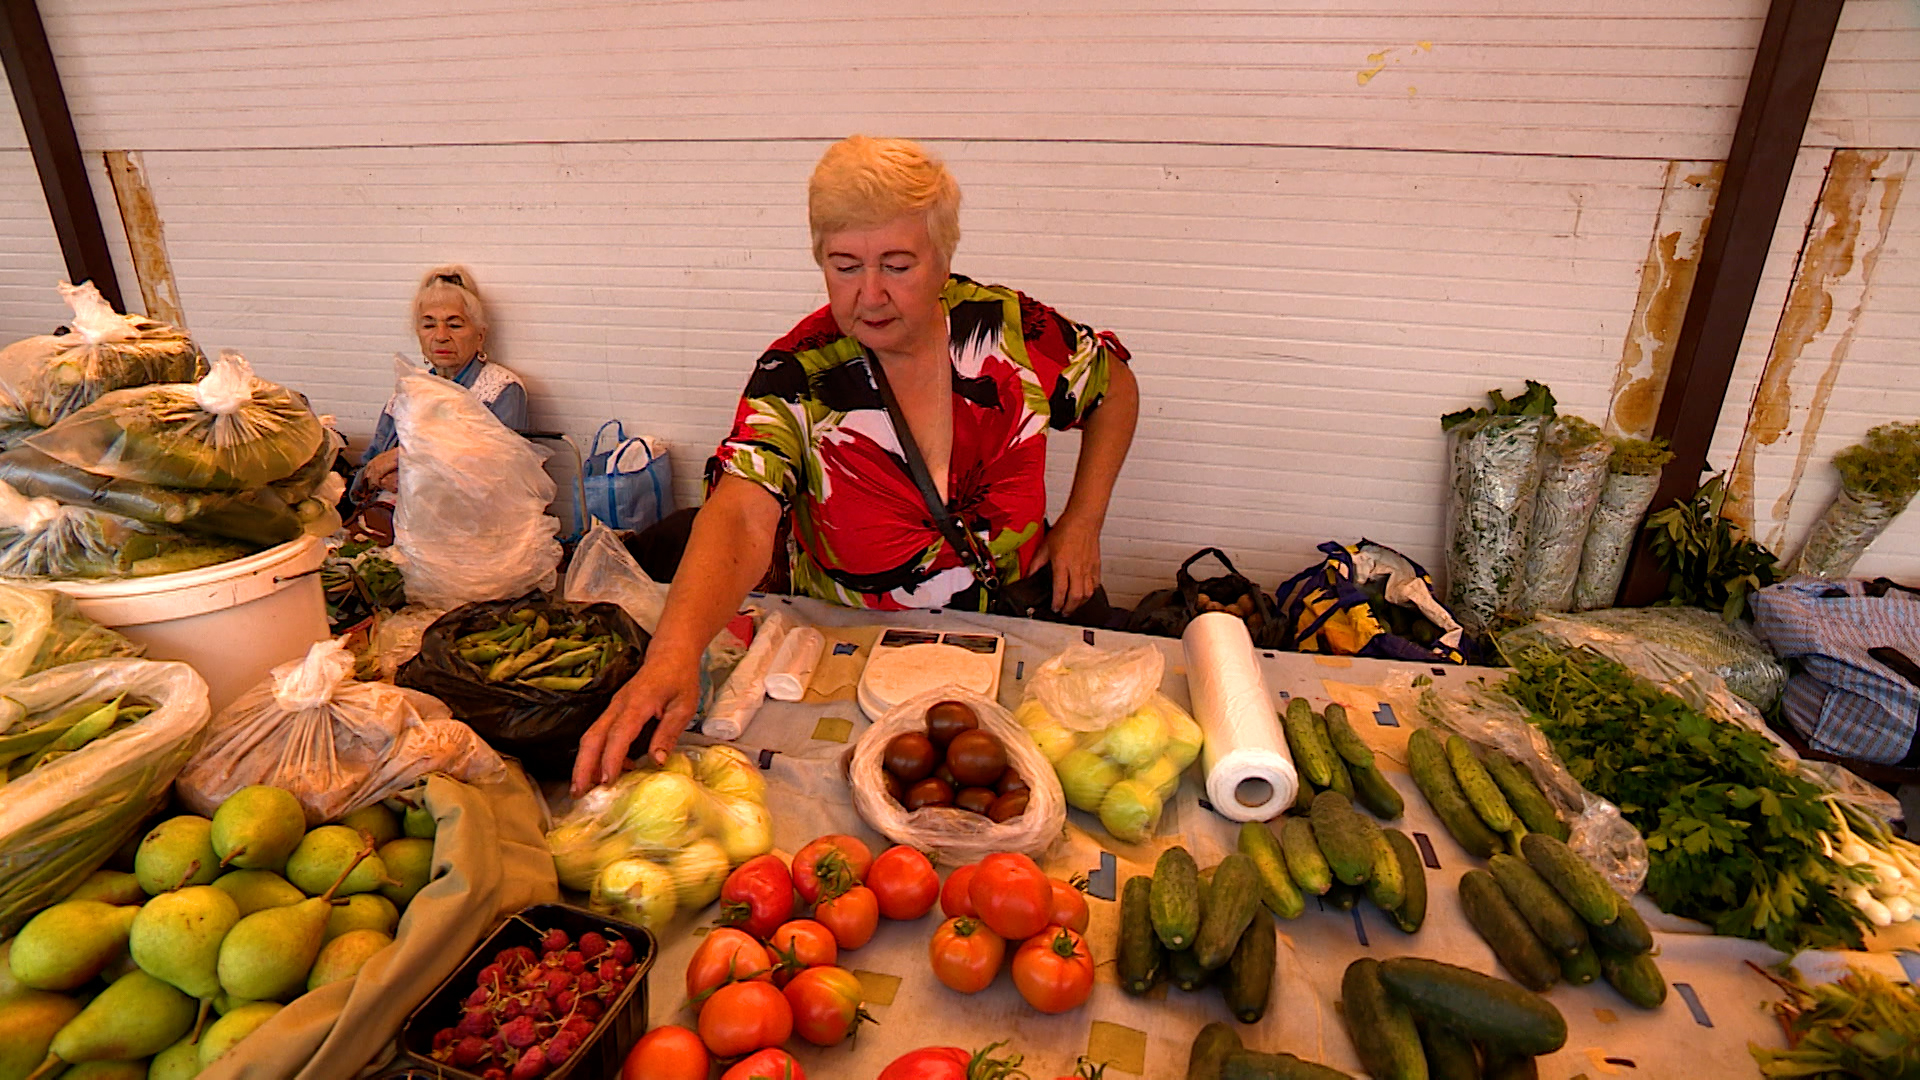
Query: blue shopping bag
point(629, 485)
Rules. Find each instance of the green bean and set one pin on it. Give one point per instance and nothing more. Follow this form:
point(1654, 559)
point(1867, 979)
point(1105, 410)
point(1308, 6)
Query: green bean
point(564, 683)
point(553, 663)
point(508, 667)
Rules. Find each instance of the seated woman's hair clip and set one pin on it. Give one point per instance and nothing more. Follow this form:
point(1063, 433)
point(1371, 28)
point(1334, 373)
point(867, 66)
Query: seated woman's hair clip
point(451, 279)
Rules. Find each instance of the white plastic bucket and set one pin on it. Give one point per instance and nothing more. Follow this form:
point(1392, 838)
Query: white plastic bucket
point(233, 622)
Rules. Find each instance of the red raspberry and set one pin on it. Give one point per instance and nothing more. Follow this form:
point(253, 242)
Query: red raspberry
point(520, 1032)
point(531, 1064)
point(468, 1051)
point(623, 951)
point(592, 944)
point(555, 940)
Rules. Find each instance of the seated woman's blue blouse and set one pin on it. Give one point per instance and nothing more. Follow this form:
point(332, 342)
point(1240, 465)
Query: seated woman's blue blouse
point(501, 391)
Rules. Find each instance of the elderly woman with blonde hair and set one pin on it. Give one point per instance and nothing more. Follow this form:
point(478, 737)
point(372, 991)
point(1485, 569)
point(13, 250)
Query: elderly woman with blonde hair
point(451, 321)
point(899, 435)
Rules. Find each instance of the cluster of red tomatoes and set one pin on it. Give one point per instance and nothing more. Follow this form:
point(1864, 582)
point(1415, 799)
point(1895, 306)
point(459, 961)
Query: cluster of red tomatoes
point(1007, 898)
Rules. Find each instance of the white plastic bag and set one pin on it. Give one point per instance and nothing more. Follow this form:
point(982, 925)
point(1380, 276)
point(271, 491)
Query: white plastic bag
point(1087, 688)
point(59, 822)
point(336, 744)
point(43, 628)
point(45, 378)
point(471, 523)
point(947, 834)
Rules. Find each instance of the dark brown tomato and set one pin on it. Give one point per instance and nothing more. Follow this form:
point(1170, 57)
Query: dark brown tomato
point(945, 719)
point(976, 799)
point(1007, 807)
point(929, 792)
point(911, 757)
point(976, 758)
point(945, 775)
point(896, 790)
point(1010, 782)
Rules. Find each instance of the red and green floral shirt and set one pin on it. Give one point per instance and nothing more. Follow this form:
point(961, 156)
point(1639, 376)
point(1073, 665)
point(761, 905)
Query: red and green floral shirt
point(811, 429)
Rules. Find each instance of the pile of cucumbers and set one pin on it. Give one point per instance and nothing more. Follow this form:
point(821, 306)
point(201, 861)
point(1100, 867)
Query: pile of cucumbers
point(1413, 1019)
point(524, 648)
point(1487, 802)
point(1193, 929)
point(1549, 915)
point(1329, 756)
point(1218, 1054)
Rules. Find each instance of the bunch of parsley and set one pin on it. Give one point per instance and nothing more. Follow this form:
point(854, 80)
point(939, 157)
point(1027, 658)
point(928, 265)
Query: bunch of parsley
point(1733, 838)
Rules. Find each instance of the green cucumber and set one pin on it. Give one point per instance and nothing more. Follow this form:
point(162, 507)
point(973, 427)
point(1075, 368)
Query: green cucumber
point(1305, 863)
point(1232, 899)
point(1522, 953)
point(1249, 974)
point(1176, 898)
point(1344, 897)
point(1342, 779)
point(1185, 971)
point(1635, 975)
point(1543, 909)
point(1139, 956)
point(1480, 1007)
point(1210, 1050)
point(1413, 879)
point(1450, 1055)
point(1346, 742)
point(1277, 890)
point(1254, 1065)
point(1380, 1026)
point(1385, 886)
point(1427, 760)
point(1512, 1067)
point(1575, 879)
point(1374, 791)
point(1481, 792)
point(1311, 753)
point(1580, 968)
point(1346, 838)
point(1627, 934)
point(1529, 803)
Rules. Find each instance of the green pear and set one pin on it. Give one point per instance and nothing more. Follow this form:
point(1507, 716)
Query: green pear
point(226, 1003)
point(181, 1061)
point(257, 827)
point(106, 1070)
point(367, 911)
point(343, 957)
point(178, 852)
point(409, 865)
point(177, 936)
point(110, 887)
point(419, 823)
point(136, 1017)
point(324, 852)
point(382, 823)
point(29, 1019)
point(267, 955)
point(8, 984)
point(65, 946)
point(256, 889)
point(223, 1033)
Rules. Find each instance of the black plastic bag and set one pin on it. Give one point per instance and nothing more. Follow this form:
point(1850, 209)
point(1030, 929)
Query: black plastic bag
point(540, 727)
point(1168, 611)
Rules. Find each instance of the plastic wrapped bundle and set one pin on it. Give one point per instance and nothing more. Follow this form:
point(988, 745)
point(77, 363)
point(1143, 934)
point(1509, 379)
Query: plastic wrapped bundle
point(43, 628)
point(1731, 652)
point(1850, 524)
point(1632, 478)
point(1495, 477)
point(231, 431)
point(1572, 476)
point(45, 378)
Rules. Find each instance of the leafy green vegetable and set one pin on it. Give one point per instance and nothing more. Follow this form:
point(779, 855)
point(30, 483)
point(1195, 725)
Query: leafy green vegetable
point(1639, 457)
point(1710, 562)
point(1733, 838)
point(1537, 400)
point(1884, 465)
point(1861, 1025)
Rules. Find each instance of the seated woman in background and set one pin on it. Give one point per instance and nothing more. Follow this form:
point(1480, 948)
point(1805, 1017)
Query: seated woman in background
point(451, 322)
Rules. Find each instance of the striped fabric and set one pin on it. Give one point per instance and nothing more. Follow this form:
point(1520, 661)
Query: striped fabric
point(1844, 699)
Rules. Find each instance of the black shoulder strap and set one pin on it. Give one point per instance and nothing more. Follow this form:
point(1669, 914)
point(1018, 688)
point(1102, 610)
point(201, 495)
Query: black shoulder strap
point(950, 526)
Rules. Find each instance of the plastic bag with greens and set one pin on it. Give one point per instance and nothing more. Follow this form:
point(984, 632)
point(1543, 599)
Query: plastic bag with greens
point(43, 628)
point(43, 539)
point(45, 378)
point(230, 431)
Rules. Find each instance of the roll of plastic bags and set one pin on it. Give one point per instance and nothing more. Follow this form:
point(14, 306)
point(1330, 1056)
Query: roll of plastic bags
point(1249, 770)
point(1495, 476)
point(471, 522)
point(230, 431)
point(1572, 477)
point(46, 378)
point(1849, 525)
point(1616, 520)
point(59, 822)
point(43, 628)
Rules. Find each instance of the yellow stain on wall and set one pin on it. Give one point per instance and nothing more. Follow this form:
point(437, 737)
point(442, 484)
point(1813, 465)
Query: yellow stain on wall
point(1378, 62)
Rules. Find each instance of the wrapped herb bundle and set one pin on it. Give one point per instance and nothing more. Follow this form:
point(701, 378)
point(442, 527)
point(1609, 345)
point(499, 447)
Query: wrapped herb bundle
point(1633, 475)
point(1495, 475)
point(1878, 478)
point(1573, 474)
point(48, 377)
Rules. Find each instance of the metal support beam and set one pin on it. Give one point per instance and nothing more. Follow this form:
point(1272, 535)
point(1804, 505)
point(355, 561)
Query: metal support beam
point(1773, 120)
point(28, 59)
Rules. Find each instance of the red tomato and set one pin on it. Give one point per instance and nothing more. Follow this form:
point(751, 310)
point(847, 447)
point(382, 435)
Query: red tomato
point(726, 956)
point(771, 1064)
point(853, 916)
point(1012, 896)
point(904, 882)
point(966, 955)
point(1069, 907)
point(950, 1063)
point(826, 1005)
point(757, 896)
point(667, 1053)
point(954, 901)
point(830, 864)
point(743, 1017)
point(1054, 971)
point(799, 945)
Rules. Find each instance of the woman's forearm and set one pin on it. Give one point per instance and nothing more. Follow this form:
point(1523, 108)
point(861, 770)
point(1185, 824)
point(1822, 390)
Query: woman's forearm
point(727, 553)
point(1104, 440)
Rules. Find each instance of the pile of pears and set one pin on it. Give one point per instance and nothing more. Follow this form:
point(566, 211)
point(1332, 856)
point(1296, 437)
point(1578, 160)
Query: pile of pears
point(230, 917)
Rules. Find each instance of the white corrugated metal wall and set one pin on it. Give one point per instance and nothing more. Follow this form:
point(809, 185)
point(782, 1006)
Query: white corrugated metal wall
point(1317, 231)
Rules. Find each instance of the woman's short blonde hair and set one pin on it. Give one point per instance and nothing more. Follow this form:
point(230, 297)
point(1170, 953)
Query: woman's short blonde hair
point(862, 182)
point(451, 282)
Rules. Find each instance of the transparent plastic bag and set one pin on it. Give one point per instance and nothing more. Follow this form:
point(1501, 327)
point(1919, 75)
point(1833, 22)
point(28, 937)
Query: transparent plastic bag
point(1123, 773)
point(947, 834)
point(1087, 688)
point(1492, 720)
point(1573, 475)
point(59, 822)
point(1849, 525)
point(1495, 476)
point(1729, 651)
point(231, 431)
point(471, 522)
point(44, 379)
point(43, 628)
point(336, 744)
point(1616, 521)
point(43, 539)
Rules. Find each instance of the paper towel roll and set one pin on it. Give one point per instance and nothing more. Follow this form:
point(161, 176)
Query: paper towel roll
point(1249, 770)
point(793, 664)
